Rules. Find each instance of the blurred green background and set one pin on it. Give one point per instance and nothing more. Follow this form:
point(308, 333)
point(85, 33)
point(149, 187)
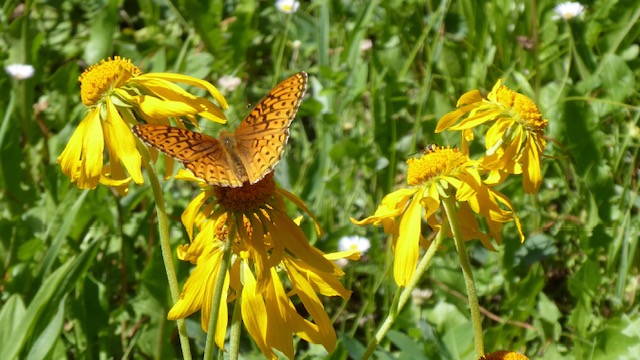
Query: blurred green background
point(82, 270)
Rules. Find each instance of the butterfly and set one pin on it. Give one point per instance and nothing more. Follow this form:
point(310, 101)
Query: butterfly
point(246, 155)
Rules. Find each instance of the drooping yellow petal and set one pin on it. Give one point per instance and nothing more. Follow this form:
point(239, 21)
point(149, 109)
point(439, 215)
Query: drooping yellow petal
point(197, 294)
point(122, 143)
point(72, 158)
point(299, 203)
point(326, 284)
point(189, 214)
point(279, 335)
point(254, 312)
point(531, 167)
point(296, 241)
point(407, 246)
point(92, 153)
point(325, 333)
point(191, 81)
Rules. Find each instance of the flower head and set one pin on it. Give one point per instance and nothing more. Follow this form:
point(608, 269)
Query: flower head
point(117, 94)
point(20, 71)
point(365, 45)
point(503, 355)
point(439, 173)
point(359, 243)
point(568, 10)
point(267, 246)
point(287, 6)
point(229, 83)
point(514, 142)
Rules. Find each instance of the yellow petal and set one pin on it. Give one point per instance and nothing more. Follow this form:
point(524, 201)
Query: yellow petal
point(299, 203)
point(122, 142)
point(280, 310)
point(450, 118)
point(296, 241)
point(254, 312)
point(478, 119)
point(70, 159)
point(469, 97)
point(532, 176)
point(325, 334)
point(326, 284)
point(189, 214)
point(191, 81)
point(392, 205)
point(407, 246)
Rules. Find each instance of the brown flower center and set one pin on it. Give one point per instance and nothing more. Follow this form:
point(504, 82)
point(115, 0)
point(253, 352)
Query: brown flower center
point(247, 197)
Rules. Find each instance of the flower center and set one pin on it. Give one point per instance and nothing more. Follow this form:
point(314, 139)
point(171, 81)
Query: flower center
point(97, 80)
point(248, 197)
point(437, 161)
point(524, 109)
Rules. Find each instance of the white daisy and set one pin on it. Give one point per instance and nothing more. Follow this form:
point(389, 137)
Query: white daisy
point(20, 71)
point(229, 83)
point(354, 242)
point(568, 10)
point(287, 6)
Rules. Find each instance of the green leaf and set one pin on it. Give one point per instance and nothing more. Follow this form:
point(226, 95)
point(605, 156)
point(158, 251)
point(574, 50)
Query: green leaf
point(101, 35)
point(48, 298)
point(12, 314)
point(409, 346)
point(43, 345)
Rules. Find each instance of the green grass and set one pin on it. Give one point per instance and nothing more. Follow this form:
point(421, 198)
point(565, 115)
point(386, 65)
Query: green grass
point(82, 270)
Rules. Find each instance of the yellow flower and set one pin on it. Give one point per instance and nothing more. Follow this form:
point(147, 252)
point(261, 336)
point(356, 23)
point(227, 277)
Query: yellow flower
point(503, 355)
point(267, 242)
point(514, 142)
point(440, 172)
point(117, 95)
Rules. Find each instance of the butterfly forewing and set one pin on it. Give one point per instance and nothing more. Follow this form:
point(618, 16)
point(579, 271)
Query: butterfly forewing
point(261, 137)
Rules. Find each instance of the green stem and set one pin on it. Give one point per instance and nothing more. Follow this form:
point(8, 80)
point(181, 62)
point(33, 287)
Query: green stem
point(217, 292)
point(236, 328)
point(285, 35)
point(403, 295)
point(165, 246)
point(474, 307)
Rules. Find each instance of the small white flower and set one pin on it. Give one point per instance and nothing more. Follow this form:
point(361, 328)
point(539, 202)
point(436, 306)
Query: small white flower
point(296, 44)
point(354, 243)
point(287, 6)
point(229, 83)
point(568, 10)
point(365, 45)
point(20, 71)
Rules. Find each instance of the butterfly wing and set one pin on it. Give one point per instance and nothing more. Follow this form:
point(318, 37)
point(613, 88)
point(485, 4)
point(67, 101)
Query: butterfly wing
point(199, 153)
point(262, 135)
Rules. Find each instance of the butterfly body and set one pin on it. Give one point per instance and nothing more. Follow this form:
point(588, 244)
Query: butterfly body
point(246, 155)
